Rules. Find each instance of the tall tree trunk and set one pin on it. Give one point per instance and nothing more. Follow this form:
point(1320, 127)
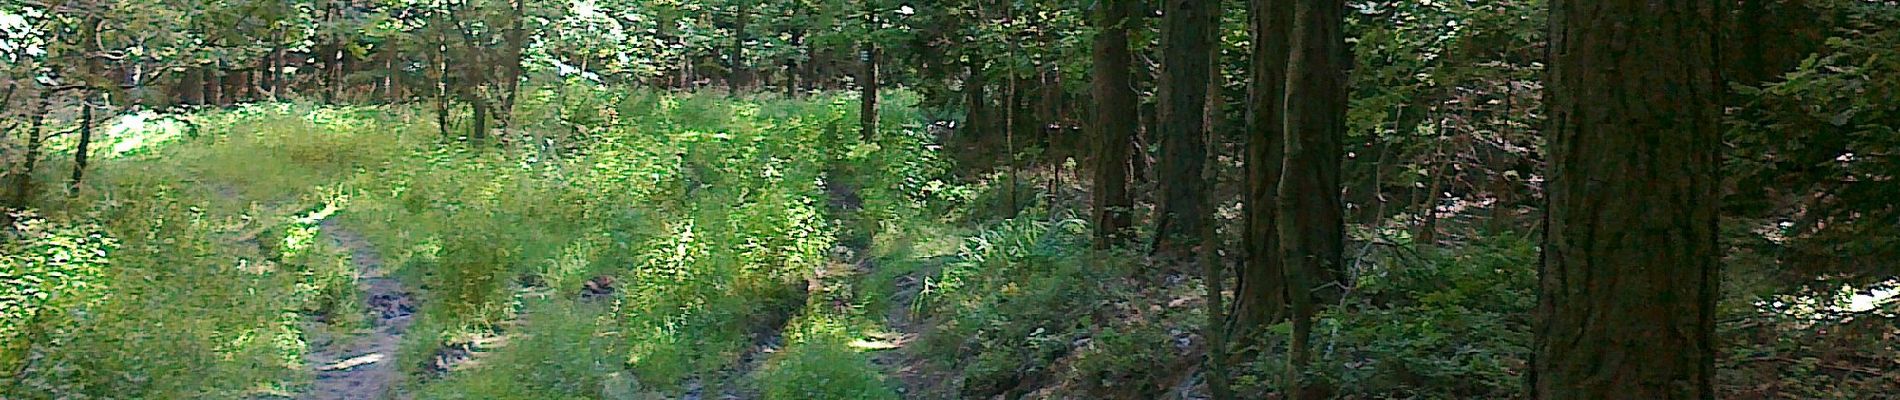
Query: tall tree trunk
point(1212, 119)
point(1115, 123)
point(516, 39)
point(326, 54)
point(1211, 269)
point(867, 87)
point(442, 99)
point(85, 144)
point(1311, 223)
point(1261, 296)
point(1183, 203)
point(793, 68)
point(23, 183)
point(741, 74)
point(1628, 286)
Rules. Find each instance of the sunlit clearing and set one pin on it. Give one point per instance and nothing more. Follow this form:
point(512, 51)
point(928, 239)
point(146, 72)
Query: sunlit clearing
point(141, 131)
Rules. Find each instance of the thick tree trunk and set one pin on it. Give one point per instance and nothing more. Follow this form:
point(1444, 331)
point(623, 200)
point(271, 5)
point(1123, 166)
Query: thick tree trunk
point(1115, 122)
point(1183, 206)
point(1311, 223)
point(1627, 290)
point(85, 144)
point(1261, 296)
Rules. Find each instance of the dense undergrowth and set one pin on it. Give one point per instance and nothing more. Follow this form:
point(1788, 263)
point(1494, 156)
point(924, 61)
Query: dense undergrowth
point(646, 252)
point(633, 244)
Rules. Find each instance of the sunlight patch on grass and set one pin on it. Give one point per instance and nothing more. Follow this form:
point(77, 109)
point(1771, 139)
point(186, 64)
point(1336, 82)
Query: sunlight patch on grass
point(1839, 304)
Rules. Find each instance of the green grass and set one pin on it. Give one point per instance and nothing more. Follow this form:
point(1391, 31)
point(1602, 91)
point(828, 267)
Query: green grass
point(708, 213)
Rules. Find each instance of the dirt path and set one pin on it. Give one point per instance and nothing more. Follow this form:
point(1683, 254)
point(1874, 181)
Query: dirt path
point(363, 365)
point(916, 377)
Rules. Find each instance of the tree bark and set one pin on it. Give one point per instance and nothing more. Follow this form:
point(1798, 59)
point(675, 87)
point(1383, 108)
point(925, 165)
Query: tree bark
point(1261, 296)
point(1182, 205)
point(1311, 224)
point(1629, 280)
point(1115, 124)
point(85, 143)
point(867, 77)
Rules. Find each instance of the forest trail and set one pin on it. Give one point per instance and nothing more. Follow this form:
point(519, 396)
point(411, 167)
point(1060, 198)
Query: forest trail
point(363, 366)
point(913, 374)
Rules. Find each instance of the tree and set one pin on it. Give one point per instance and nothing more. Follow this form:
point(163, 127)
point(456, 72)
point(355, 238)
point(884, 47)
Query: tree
point(1114, 121)
point(867, 74)
point(1182, 204)
point(1311, 223)
point(1629, 279)
point(81, 151)
point(1261, 295)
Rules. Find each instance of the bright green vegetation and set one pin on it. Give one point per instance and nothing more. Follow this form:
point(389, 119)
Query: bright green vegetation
point(957, 199)
point(708, 215)
point(735, 268)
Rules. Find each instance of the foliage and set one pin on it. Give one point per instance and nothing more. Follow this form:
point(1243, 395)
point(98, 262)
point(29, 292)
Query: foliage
point(190, 262)
point(1812, 150)
point(46, 271)
point(819, 364)
point(573, 354)
point(1014, 300)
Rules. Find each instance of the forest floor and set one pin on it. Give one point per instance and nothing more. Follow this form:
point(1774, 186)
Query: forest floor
point(907, 367)
point(363, 366)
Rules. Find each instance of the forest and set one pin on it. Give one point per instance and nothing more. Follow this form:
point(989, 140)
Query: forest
point(950, 199)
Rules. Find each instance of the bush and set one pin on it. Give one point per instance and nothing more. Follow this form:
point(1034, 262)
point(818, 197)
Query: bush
point(818, 364)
